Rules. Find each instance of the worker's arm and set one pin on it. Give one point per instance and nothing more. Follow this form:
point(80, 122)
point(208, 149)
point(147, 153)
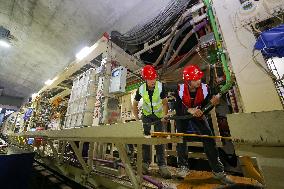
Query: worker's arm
point(135, 109)
point(136, 100)
point(165, 106)
point(210, 99)
point(215, 100)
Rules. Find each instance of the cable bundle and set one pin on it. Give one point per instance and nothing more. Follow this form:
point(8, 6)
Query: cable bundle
point(143, 33)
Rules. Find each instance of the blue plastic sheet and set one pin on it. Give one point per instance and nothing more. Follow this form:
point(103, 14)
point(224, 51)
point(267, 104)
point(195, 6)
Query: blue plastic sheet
point(271, 42)
point(28, 114)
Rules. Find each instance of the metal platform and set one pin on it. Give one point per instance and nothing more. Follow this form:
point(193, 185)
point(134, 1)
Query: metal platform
point(117, 134)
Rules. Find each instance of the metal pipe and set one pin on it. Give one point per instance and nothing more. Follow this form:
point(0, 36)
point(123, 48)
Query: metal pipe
point(196, 28)
point(152, 181)
point(224, 62)
point(173, 42)
point(107, 161)
point(173, 32)
point(164, 134)
point(164, 50)
point(145, 177)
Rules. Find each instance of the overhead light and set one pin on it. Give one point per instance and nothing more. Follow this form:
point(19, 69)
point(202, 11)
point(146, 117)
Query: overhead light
point(34, 95)
point(83, 53)
point(50, 81)
point(4, 44)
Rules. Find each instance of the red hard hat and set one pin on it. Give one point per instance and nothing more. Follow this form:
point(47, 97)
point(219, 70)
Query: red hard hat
point(149, 73)
point(192, 72)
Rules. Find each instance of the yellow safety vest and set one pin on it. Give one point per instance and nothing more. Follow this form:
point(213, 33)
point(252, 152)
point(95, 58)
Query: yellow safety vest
point(156, 100)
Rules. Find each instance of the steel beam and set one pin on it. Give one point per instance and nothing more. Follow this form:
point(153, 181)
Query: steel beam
point(105, 134)
point(123, 155)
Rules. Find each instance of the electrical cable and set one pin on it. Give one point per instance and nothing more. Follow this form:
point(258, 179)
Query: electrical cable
point(142, 33)
point(178, 34)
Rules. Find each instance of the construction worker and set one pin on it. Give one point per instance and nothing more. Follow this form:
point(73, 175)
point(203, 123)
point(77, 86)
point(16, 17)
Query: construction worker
point(154, 109)
point(191, 96)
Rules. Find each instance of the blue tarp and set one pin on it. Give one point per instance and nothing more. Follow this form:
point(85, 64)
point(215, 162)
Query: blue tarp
point(28, 114)
point(271, 42)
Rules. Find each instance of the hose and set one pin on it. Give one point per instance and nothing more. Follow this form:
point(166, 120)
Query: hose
point(196, 28)
point(143, 33)
point(177, 65)
point(174, 29)
point(173, 42)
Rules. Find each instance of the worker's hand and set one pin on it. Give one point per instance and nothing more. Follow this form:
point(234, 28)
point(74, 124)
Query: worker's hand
point(195, 112)
point(215, 100)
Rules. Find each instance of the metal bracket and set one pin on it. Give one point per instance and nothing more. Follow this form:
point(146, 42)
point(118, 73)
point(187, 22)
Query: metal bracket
point(123, 155)
point(79, 156)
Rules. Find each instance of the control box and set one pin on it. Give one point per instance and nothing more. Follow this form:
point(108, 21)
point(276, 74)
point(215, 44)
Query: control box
point(118, 80)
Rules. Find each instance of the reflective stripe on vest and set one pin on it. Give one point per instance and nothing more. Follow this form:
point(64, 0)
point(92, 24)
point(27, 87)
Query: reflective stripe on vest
point(204, 90)
point(156, 100)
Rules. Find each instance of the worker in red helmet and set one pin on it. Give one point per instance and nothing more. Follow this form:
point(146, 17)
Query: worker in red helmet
point(191, 96)
point(154, 110)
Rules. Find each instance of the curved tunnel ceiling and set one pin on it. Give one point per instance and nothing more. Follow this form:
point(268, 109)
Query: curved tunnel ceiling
point(48, 33)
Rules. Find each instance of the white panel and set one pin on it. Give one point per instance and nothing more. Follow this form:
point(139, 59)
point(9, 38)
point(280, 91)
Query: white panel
point(263, 128)
point(257, 90)
point(82, 101)
point(118, 80)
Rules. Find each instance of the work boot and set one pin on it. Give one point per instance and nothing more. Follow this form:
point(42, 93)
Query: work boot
point(221, 176)
point(145, 168)
point(164, 172)
point(182, 172)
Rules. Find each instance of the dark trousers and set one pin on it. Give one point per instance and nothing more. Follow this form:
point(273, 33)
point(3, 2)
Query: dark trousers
point(200, 126)
point(160, 149)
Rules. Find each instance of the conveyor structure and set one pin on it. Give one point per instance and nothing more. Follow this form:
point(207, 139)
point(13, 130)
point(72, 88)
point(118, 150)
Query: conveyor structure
point(96, 155)
point(94, 169)
point(114, 134)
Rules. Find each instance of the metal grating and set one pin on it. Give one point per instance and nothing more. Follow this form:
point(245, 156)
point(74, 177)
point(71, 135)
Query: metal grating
point(279, 82)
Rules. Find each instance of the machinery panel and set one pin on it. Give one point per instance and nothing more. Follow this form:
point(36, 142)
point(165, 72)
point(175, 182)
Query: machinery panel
point(260, 128)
